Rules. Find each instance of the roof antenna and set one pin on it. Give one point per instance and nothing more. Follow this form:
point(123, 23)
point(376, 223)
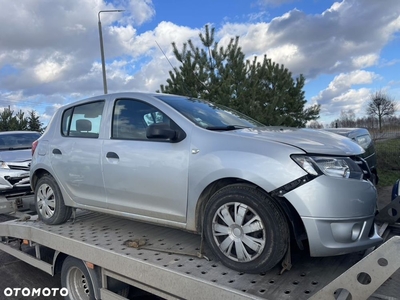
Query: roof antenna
point(173, 68)
point(165, 55)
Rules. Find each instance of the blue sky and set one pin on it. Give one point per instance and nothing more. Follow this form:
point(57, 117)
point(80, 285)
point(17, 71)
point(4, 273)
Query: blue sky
point(50, 54)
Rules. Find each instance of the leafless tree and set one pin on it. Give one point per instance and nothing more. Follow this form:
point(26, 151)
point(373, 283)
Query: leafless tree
point(381, 105)
point(347, 119)
point(315, 125)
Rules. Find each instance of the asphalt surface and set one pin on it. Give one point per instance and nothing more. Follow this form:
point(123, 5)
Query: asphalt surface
point(15, 274)
point(18, 274)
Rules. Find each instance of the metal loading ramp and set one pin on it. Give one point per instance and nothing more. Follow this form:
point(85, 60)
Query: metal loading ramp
point(172, 270)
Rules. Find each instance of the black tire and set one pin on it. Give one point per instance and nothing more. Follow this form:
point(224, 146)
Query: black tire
point(76, 279)
point(268, 235)
point(49, 202)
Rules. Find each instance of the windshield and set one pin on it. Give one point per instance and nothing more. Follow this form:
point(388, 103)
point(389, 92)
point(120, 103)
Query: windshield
point(13, 141)
point(208, 115)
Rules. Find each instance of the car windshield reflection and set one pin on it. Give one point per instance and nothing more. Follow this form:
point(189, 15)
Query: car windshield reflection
point(17, 141)
point(208, 115)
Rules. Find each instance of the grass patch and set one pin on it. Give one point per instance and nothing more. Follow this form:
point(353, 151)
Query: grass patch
point(388, 161)
point(388, 178)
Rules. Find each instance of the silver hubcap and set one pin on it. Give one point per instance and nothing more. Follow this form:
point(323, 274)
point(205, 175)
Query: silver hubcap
point(77, 284)
point(46, 201)
point(239, 232)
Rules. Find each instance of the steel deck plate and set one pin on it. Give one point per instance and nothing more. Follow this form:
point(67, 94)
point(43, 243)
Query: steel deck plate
point(101, 238)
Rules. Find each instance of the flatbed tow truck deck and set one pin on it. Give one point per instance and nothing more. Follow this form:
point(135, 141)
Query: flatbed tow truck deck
point(165, 262)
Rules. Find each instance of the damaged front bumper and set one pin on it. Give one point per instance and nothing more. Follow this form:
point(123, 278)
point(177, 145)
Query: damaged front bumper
point(13, 180)
point(338, 214)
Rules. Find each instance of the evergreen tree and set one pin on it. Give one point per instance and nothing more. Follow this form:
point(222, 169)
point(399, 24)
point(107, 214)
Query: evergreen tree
point(34, 123)
point(7, 120)
point(22, 122)
point(263, 90)
point(12, 122)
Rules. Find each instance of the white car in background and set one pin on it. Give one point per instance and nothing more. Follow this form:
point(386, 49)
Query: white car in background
point(15, 160)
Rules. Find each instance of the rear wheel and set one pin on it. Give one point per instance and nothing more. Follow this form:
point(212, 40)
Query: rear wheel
point(245, 229)
point(50, 203)
point(76, 279)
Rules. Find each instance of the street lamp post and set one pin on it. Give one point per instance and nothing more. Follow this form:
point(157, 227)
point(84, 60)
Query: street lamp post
point(103, 63)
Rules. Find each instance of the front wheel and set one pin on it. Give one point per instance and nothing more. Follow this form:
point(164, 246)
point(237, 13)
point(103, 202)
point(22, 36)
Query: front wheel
point(245, 229)
point(50, 203)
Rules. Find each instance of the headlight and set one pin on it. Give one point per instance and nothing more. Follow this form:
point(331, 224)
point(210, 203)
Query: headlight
point(3, 165)
point(342, 167)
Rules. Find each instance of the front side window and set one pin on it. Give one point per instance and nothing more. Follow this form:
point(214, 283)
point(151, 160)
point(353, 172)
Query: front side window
point(132, 117)
point(83, 120)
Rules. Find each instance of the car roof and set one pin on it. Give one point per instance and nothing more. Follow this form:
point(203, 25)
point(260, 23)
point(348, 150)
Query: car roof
point(113, 96)
point(17, 132)
point(348, 131)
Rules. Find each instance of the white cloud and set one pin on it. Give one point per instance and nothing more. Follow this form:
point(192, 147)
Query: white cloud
point(365, 61)
point(352, 99)
point(345, 37)
point(341, 94)
point(141, 11)
point(343, 83)
point(51, 68)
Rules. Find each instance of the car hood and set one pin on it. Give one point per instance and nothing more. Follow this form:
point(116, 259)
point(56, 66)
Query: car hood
point(308, 140)
point(16, 155)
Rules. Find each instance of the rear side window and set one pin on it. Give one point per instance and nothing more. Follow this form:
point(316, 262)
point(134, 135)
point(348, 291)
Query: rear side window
point(83, 120)
point(132, 117)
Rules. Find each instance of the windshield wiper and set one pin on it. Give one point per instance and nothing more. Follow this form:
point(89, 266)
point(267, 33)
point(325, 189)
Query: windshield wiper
point(226, 128)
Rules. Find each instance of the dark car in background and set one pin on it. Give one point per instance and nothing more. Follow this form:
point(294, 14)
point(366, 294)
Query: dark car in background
point(15, 160)
point(362, 137)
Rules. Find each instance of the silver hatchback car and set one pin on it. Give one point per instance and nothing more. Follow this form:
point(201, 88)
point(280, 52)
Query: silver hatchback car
point(190, 164)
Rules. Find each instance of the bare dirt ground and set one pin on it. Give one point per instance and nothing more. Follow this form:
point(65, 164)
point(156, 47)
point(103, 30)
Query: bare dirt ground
point(384, 195)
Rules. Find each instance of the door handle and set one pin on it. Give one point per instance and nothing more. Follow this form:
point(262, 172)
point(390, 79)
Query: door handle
point(112, 155)
point(56, 151)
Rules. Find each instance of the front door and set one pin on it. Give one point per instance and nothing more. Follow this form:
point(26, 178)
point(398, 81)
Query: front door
point(144, 176)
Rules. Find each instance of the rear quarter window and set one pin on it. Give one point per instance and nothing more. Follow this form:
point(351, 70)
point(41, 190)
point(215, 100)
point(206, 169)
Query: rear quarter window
point(82, 120)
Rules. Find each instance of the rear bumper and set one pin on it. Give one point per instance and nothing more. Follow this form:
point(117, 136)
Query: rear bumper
point(328, 237)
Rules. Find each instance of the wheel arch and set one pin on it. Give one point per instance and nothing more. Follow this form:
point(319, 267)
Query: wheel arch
point(296, 226)
point(58, 260)
point(39, 173)
point(206, 194)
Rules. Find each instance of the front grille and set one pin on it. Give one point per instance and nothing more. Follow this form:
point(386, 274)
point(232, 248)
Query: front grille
point(22, 165)
point(16, 167)
point(367, 175)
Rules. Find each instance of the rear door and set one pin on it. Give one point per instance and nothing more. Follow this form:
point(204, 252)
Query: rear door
point(144, 176)
point(76, 154)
